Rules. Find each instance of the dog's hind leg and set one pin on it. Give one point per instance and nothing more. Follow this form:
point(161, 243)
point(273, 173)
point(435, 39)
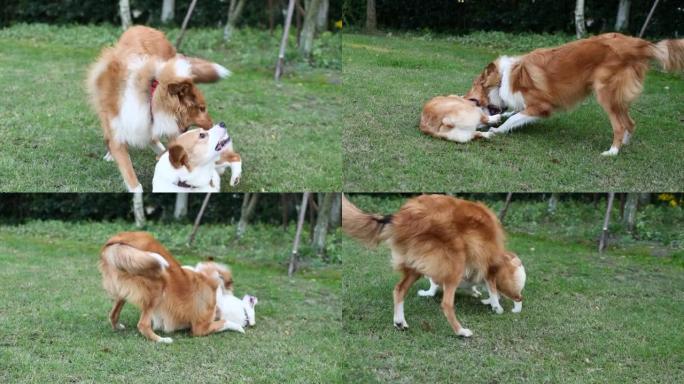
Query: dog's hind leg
point(409, 277)
point(145, 326)
point(120, 153)
point(114, 314)
point(448, 308)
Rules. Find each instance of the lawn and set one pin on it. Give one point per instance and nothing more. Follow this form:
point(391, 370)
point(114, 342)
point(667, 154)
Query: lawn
point(586, 318)
point(288, 134)
point(388, 78)
point(53, 312)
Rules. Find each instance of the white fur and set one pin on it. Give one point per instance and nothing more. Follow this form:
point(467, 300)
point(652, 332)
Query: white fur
point(626, 137)
point(222, 71)
point(136, 189)
point(165, 340)
point(237, 313)
point(108, 157)
point(465, 284)
point(611, 152)
point(517, 307)
point(182, 67)
point(517, 120)
point(465, 332)
point(131, 125)
point(494, 301)
point(513, 101)
point(399, 320)
point(520, 276)
point(431, 291)
point(162, 262)
point(164, 125)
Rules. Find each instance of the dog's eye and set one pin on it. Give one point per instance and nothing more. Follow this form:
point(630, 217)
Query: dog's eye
point(203, 135)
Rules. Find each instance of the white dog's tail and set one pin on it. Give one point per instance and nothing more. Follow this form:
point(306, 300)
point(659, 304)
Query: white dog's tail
point(670, 54)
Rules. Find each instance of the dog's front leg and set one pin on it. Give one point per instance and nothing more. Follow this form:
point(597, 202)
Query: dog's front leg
point(157, 147)
point(517, 120)
point(493, 299)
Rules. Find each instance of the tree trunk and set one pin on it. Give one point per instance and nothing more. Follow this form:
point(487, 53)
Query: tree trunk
point(371, 17)
point(271, 20)
point(322, 223)
point(283, 41)
point(322, 17)
point(167, 11)
point(336, 211)
point(295, 246)
point(138, 209)
point(125, 14)
point(246, 213)
point(181, 209)
point(179, 40)
point(606, 221)
point(648, 19)
point(580, 27)
point(309, 29)
point(234, 13)
point(504, 210)
point(198, 219)
point(622, 21)
point(630, 213)
point(553, 203)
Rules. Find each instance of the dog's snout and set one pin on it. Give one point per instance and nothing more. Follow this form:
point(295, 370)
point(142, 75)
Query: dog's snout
point(222, 124)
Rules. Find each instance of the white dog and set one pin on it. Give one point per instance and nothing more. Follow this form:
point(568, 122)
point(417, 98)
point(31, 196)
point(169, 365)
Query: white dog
point(466, 284)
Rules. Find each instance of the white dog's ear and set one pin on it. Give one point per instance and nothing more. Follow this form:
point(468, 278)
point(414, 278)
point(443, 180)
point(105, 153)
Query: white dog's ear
point(178, 157)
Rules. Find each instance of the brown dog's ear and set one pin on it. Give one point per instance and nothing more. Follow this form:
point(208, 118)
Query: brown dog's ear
point(178, 156)
point(181, 89)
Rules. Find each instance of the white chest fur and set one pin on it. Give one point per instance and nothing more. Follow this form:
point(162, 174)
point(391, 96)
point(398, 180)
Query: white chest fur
point(513, 100)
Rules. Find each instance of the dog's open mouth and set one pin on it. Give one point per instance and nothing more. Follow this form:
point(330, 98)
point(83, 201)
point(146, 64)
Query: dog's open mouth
point(222, 144)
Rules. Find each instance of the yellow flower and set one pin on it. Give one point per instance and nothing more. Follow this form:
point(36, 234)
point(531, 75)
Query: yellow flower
point(673, 203)
point(666, 197)
point(338, 24)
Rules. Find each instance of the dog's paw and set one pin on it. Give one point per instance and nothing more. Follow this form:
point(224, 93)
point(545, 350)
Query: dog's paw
point(464, 332)
point(498, 309)
point(108, 157)
point(402, 326)
point(517, 307)
point(493, 130)
point(119, 327)
point(425, 292)
point(487, 135)
point(234, 180)
point(477, 294)
point(165, 340)
point(611, 152)
point(486, 301)
point(494, 119)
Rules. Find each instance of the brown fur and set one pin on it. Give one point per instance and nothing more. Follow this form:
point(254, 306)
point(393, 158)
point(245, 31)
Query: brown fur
point(611, 65)
point(441, 237)
point(180, 298)
point(174, 96)
point(441, 114)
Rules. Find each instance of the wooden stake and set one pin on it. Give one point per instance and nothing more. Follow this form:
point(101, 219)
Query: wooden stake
point(648, 18)
point(295, 247)
point(185, 24)
point(283, 42)
point(606, 220)
point(195, 227)
point(503, 211)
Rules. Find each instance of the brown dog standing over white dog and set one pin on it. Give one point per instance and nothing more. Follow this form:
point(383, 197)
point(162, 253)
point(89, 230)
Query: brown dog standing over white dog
point(142, 90)
point(544, 81)
point(446, 239)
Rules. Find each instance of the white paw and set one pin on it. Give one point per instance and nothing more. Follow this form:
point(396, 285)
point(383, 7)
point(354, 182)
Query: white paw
point(465, 332)
point(165, 340)
point(487, 135)
point(401, 325)
point(611, 152)
point(477, 294)
point(498, 309)
point(137, 189)
point(494, 130)
point(425, 292)
point(626, 137)
point(486, 301)
point(234, 180)
point(108, 157)
point(508, 114)
point(517, 307)
point(240, 329)
point(120, 327)
point(493, 119)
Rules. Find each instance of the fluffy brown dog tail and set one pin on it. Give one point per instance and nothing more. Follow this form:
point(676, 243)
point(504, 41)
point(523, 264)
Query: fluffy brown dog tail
point(371, 229)
point(206, 72)
point(670, 54)
point(134, 261)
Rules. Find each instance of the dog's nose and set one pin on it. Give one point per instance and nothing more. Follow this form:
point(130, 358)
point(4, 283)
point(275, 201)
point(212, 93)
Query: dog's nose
point(222, 124)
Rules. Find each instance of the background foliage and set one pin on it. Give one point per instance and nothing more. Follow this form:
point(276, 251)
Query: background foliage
point(463, 16)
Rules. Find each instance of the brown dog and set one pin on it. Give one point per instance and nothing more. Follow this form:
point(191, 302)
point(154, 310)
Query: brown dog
point(455, 118)
point(543, 81)
point(136, 268)
point(143, 90)
point(445, 239)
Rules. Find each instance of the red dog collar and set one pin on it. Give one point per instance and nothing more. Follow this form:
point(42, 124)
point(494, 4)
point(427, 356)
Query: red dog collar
point(153, 87)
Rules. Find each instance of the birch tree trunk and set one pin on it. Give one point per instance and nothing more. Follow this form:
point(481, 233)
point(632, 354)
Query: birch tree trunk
point(138, 209)
point(603, 242)
point(298, 234)
point(580, 28)
point(180, 210)
point(198, 219)
point(179, 40)
point(309, 29)
point(504, 209)
point(336, 211)
point(283, 42)
point(322, 17)
point(246, 213)
point(125, 14)
point(234, 13)
point(631, 207)
point(622, 20)
point(167, 11)
point(371, 17)
point(322, 223)
point(553, 203)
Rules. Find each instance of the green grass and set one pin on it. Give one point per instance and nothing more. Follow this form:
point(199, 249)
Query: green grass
point(53, 312)
point(586, 318)
point(389, 78)
point(288, 134)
